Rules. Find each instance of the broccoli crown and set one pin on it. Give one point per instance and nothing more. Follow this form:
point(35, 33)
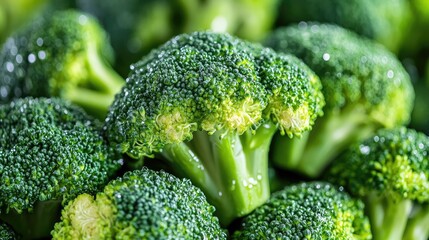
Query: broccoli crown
point(49, 150)
point(385, 21)
point(6, 232)
point(314, 210)
point(142, 204)
point(49, 56)
point(210, 82)
point(368, 76)
point(393, 163)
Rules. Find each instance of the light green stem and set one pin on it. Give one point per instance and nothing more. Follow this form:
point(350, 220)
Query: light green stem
point(418, 224)
point(388, 218)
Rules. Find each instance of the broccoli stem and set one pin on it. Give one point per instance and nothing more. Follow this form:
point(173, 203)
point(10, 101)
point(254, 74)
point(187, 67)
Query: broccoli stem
point(232, 170)
point(101, 76)
point(97, 91)
point(388, 217)
point(331, 133)
point(36, 224)
point(417, 226)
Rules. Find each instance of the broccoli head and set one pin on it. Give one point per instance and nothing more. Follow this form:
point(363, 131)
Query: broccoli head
point(390, 172)
point(386, 21)
point(365, 88)
point(61, 54)
point(143, 204)
point(313, 210)
point(209, 103)
point(6, 232)
point(50, 152)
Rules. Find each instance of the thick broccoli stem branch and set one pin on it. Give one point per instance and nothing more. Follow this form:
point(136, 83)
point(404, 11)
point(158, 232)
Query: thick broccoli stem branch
point(101, 76)
point(232, 170)
point(97, 90)
point(388, 217)
point(329, 136)
point(417, 226)
point(36, 224)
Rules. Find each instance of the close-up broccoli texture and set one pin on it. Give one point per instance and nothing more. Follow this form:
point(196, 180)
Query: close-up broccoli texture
point(312, 210)
point(62, 54)
point(209, 103)
point(6, 232)
point(50, 152)
point(143, 204)
point(365, 88)
point(390, 172)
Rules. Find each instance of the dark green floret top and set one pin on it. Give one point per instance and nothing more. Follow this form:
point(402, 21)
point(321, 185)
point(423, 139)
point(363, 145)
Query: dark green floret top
point(143, 204)
point(353, 70)
point(313, 210)
point(393, 163)
point(49, 150)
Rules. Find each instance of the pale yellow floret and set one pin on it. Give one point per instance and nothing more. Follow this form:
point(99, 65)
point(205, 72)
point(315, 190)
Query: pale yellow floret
point(175, 127)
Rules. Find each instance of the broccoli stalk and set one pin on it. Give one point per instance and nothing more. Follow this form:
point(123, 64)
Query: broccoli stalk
point(65, 54)
point(208, 104)
point(389, 172)
point(417, 226)
point(35, 223)
point(365, 90)
point(329, 136)
point(231, 168)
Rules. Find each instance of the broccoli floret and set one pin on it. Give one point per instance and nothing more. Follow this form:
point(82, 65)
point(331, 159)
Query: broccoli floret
point(390, 172)
point(365, 88)
point(143, 204)
point(61, 54)
point(313, 210)
point(386, 21)
point(209, 104)
point(6, 232)
point(50, 152)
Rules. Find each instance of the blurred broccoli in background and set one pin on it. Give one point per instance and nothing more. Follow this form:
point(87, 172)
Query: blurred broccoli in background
point(143, 204)
point(136, 26)
point(62, 54)
point(50, 152)
point(390, 172)
point(365, 88)
point(313, 210)
point(386, 21)
point(15, 13)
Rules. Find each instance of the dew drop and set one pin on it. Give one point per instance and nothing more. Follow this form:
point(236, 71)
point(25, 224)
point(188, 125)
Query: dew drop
point(364, 149)
point(31, 58)
point(326, 56)
point(390, 74)
point(41, 55)
point(83, 19)
point(39, 42)
point(9, 67)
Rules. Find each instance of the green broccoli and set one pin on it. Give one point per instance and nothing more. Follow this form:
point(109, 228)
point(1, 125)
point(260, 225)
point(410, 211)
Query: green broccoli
point(16, 13)
point(6, 232)
point(62, 54)
point(314, 210)
point(143, 204)
point(209, 104)
point(50, 152)
point(137, 26)
point(365, 88)
point(390, 172)
point(386, 21)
